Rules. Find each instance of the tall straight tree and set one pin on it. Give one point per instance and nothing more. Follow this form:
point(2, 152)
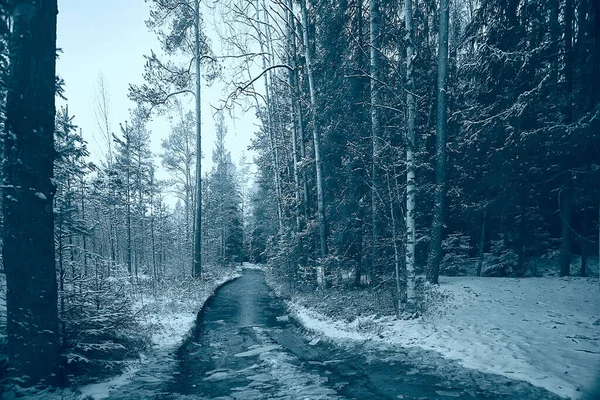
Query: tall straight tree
point(295, 111)
point(198, 214)
point(28, 252)
point(375, 121)
point(316, 137)
point(437, 225)
point(164, 81)
point(410, 157)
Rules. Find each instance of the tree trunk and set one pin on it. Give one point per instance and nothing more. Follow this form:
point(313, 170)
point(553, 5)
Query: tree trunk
point(128, 203)
point(296, 112)
point(84, 234)
point(482, 243)
point(410, 159)
point(301, 125)
point(198, 230)
point(273, 147)
point(28, 251)
point(584, 229)
point(375, 19)
point(395, 242)
point(316, 140)
point(435, 256)
point(520, 245)
point(565, 248)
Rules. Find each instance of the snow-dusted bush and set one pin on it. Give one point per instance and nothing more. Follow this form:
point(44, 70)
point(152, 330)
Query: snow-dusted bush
point(100, 323)
point(456, 253)
point(503, 261)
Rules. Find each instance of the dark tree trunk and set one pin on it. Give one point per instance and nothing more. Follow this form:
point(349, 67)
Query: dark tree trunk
point(522, 233)
point(435, 257)
point(584, 229)
point(32, 314)
point(482, 243)
point(565, 248)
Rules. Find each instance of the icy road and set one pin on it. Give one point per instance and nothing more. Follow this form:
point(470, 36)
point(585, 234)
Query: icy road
point(244, 346)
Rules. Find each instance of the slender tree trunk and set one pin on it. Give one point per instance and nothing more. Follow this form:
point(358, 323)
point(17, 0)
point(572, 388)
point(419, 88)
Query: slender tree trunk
point(521, 241)
point(554, 38)
point(482, 243)
point(84, 234)
point(61, 278)
point(596, 52)
point(295, 110)
point(317, 142)
point(582, 241)
point(270, 123)
point(28, 251)
point(396, 250)
point(297, 99)
point(152, 233)
point(410, 160)
point(437, 228)
point(128, 205)
point(565, 251)
point(198, 216)
point(275, 109)
point(565, 248)
point(375, 18)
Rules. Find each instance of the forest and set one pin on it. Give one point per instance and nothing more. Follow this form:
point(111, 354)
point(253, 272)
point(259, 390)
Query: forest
point(407, 154)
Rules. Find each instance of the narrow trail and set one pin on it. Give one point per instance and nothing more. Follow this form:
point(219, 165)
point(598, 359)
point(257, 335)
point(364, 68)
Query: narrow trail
point(244, 346)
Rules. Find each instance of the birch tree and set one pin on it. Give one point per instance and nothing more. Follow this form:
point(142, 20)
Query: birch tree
point(410, 158)
point(317, 147)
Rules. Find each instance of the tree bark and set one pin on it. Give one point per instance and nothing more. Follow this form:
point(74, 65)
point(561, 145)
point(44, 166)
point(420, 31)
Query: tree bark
point(28, 251)
point(316, 139)
point(296, 112)
point(395, 242)
point(270, 129)
point(565, 248)
point(435, 256)
point(375, 19)
point(482, 243)
point(198, 228)
point(410, 159)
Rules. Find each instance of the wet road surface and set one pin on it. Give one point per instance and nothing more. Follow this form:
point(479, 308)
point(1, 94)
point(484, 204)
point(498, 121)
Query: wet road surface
point(245, 346)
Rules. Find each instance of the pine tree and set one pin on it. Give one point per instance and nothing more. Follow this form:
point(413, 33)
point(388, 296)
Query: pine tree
point(28, 251)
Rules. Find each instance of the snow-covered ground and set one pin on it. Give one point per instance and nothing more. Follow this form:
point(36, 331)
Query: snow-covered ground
point(170, 316)
point(541, 330)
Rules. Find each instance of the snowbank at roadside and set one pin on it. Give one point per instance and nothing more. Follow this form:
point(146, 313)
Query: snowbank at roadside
point(169, 316)
point(541, 330)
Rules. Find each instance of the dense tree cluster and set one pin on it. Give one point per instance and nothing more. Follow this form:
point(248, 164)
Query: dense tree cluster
point(504, 158)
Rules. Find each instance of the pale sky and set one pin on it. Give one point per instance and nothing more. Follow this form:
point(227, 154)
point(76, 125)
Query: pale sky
point(109, 37)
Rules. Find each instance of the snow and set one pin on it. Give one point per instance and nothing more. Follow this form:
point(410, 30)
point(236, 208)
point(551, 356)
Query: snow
point(170, 316)
point(102, 390)
point(41, 196)
point(257, 350)
point(541, 330)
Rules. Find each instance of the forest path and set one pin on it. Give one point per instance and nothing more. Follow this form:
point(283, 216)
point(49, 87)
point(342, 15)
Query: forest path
point(244, 346)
